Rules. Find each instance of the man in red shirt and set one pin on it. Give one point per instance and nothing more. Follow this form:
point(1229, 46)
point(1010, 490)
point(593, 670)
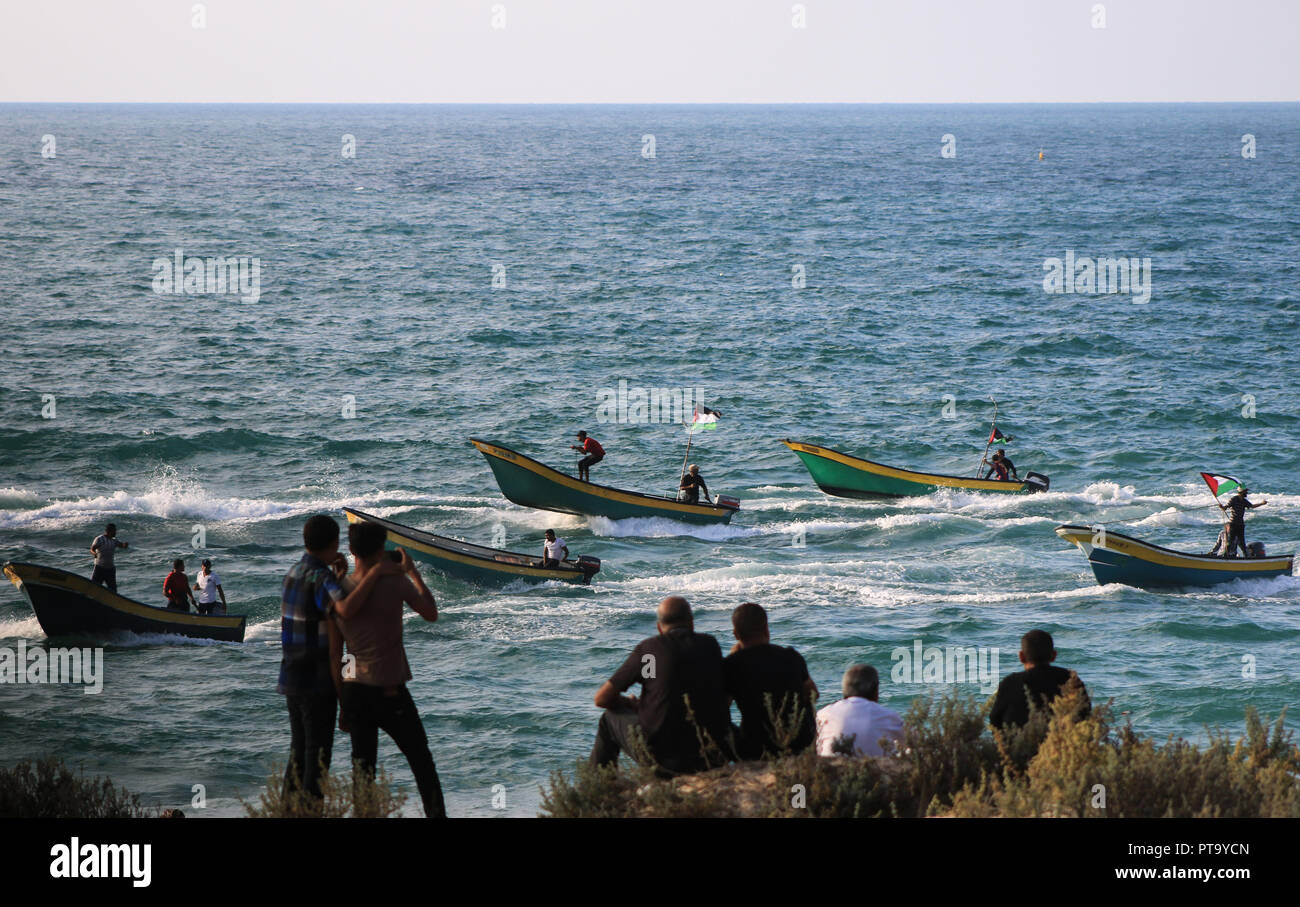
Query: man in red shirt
point(177, 587)
point(594, 454)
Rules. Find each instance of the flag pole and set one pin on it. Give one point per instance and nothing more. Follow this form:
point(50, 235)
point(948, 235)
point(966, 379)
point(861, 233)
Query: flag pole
point(689, 436)
point(992, 428)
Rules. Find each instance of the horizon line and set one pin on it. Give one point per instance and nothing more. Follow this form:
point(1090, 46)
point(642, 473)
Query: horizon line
point(654, 103)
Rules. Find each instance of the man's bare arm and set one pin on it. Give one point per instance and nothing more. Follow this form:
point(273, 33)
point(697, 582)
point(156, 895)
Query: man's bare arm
point(610, 697)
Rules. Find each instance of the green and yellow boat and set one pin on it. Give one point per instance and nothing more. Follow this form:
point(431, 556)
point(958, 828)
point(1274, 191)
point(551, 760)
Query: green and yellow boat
point(67, 604)
point(532, 484)
point(846, 476)
point(476, 563)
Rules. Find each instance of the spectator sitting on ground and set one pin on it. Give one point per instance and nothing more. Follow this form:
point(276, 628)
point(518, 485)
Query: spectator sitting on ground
point(680, 671)
point(858, 722)
point(1046, 681)
point(766, 681)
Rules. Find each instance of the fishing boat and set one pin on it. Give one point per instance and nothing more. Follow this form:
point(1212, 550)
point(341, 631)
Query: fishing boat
point(477, 563)
point(532, 484)
point(846, 476)
point(67, 604)
point(1118, 558)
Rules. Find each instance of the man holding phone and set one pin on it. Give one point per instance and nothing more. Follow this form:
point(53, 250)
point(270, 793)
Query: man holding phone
point(372, 690)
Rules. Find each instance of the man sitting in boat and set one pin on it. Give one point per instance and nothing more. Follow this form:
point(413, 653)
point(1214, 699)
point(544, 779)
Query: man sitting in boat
point(1002, 465)
point(177, 588)
point(672, 667)
point(1234, 526)
point(594, 454)
point(553, 550)
point(691, 485)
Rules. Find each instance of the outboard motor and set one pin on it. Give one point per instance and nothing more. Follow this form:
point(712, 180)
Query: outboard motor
point(1036, 481)
point(728, 501)
point(589, 566)
point(1255, 549)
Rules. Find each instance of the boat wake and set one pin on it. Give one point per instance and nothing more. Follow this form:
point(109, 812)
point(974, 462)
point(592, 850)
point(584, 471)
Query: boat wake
point(657, 527)
point(21, 628)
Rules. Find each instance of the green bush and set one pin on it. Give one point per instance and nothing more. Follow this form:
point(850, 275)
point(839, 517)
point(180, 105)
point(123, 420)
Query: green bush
point(48, 789)
point(359, 798)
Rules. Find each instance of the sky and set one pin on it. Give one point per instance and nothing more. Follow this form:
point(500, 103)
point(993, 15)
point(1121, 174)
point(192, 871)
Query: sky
point(648, 51)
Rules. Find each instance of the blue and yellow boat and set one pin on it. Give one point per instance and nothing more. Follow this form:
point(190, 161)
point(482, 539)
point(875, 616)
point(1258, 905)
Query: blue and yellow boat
point(476, 563)
point(1118, 558)
point(532, 484)
point(67, 604)
point(846, 476)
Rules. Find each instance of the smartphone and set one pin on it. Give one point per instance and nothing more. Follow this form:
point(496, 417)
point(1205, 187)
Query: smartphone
point(395, 555)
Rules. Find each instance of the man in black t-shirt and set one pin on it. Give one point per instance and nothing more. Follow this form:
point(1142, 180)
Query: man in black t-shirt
point(692, 484)
point(1234, 524)
point(1040, 677)
point(766, 680)
point(680, 671)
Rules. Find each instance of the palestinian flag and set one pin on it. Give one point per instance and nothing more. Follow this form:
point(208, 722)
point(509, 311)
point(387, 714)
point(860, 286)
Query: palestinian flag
point(705, 418)
point(996, 437)
point(1221, 484)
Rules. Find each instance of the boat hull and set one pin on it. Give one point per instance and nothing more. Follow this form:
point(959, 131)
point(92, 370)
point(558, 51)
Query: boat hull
point(846, 476)
point(1118, 558)
point(473, 563)
point(67, 604)
point(532, 484)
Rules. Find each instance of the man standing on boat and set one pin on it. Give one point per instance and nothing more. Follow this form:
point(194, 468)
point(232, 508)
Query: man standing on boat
point(176, 587)
point(102, 549)
point(554, 550)
point(692, 484)
point(208, 585)
point(1234, 517)
point(594, 454)
point(1002, 465)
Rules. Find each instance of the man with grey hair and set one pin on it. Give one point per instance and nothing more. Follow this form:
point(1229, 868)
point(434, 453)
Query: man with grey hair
point(858, 722)
point(683, 697)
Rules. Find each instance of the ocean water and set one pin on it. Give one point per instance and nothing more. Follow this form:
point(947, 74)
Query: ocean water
point(923, 283)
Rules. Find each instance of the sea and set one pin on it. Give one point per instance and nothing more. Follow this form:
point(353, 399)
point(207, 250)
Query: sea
point(870, 278)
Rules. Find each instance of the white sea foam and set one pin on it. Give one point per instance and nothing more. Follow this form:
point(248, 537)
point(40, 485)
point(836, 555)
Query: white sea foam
point(21, 628)
point(657, 527)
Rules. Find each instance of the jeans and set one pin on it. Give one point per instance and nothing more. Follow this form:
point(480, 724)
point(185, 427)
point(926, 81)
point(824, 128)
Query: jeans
point(614, 735)
point(105, 575)
point(368, 710)
point(311, 727)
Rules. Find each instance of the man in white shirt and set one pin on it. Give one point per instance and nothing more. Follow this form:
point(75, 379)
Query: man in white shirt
point(858, 722)
point(554, 550)
point(208, 585)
